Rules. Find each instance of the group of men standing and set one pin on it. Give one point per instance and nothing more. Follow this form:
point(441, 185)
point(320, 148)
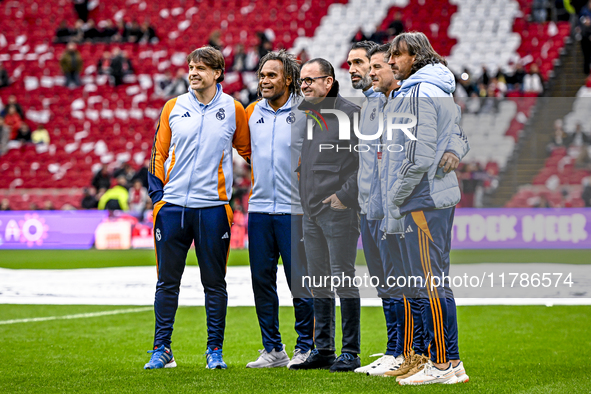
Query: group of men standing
point(313, 193)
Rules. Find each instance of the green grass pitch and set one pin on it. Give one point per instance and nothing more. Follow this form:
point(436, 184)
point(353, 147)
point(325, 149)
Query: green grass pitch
point(529, 349)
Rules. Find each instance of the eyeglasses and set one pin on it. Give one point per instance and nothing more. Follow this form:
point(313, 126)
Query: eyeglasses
point(309, 81)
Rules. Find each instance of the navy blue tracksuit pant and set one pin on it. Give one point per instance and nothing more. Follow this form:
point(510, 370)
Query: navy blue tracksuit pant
point(175, 229)
point(271, 236)
point(380, 265)
point(428, 240)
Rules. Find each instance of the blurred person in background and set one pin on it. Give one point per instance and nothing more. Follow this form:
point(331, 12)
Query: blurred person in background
point(138, 196)
point(89, 200)
point(24, 133)
point(5, 205)
point(578, 138)
point(77, 33)
point(122, 32)
point(71, 65)
point(92, 34)
point(586, 195)
point(134, 33)
point(103, 66)
point(4, 79)
point(108, 31)
point(13, 103)
point(81, 8)
point(585, 28)
point(559, 137)
point(102, 179)
point(48, 206)
point(179, 85)
point(148, 33)
point(63, 34)
point(13, 121)
point(4, 136)
point(532, 81)
point(120, 66)
point(126, 171)
point(40, 135)
point(116, 197)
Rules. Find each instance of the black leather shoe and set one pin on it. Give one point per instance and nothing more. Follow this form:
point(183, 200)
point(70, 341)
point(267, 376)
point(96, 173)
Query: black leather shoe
point(346, 363)
point(316, 361)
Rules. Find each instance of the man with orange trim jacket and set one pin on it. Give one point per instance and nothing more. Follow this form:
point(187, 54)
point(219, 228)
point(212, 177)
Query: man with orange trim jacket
point(190, 183)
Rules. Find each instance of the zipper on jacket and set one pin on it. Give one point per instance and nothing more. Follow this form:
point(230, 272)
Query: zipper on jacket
point(273, 164)
point(193, 167)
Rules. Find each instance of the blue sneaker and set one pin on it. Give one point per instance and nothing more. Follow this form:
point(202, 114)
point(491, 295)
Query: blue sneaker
point(161, 358)
point(214, 359)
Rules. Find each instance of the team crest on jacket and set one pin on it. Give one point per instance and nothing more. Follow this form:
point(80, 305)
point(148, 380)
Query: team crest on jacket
point(291, 118)
point(221, 114)
point(158, 235)
point(373, 115)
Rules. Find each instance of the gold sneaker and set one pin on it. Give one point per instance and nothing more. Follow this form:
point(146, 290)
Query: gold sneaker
point(419, 365)
point(406, 365)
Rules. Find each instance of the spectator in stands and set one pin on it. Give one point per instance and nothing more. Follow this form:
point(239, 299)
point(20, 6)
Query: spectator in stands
point(78, 32)
point(5, 205)
point(138, 196)
point(127, 172)
point(539, 10)
point(303, 56)
point(134, 34)
point(215, 40)
point(89, 200)
point(33, 206)
point(397, 25)
point(474, 103)
point(122, 32)
point(239, 63)
point(13, 103)
point(532, 81)
point(120, 66)
point(48, 206)
point(13, 120)
point(115, 198)
point(4, 79)
point(585, 27)
point(102, 179)
point(92, 34)
point(24, 133)
point(103, 67)
point(4, 136)
point(179, 85)
point(583, 161)
point(108, 31)
point(515, 79)
point(148, 33)
point(63, 34)
point(586, 195)
point(379, 36)
point(359, 36)
point(40, 135)
point(559, 138)
point(81, 8)
point(71, 65)
point(469, 184)
point(578, 138)
point(161, 87)
point(542, 202)
point(484, 77)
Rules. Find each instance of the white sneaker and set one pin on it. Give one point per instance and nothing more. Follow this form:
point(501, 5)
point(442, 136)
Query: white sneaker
point(270, 360)
point(299, 356)
point(461, 373)
point(390, 363)
point(372, 365)
point(429, 375)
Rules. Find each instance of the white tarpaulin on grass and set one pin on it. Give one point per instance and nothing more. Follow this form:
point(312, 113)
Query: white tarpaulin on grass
point(136, 286)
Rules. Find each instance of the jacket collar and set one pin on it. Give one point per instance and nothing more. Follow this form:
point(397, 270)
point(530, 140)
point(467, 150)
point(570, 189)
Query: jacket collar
point(286, 107)
point(202, 106)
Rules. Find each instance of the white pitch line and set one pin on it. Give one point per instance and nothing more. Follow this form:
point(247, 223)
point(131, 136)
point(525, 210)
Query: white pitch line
point(77, 316)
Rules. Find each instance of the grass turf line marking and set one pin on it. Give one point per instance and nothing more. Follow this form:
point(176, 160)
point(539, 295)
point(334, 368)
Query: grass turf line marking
point(77, 316)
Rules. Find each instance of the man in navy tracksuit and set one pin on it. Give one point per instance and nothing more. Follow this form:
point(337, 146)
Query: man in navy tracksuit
point(190, 184)
point(275, 213)
point(425, 194)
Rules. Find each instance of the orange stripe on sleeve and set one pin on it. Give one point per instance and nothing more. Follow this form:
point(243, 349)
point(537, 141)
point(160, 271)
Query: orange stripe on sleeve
point(241, 141)
point(250, 110)
point(222, 181)
point(162, 142)
point(156, 209)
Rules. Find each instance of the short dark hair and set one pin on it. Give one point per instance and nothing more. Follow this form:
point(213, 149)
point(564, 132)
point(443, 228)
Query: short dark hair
point(367, 45)
point(384, 48)
point(325, 68)
point(417, 44)
point(291, 68)
point(211, 57)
